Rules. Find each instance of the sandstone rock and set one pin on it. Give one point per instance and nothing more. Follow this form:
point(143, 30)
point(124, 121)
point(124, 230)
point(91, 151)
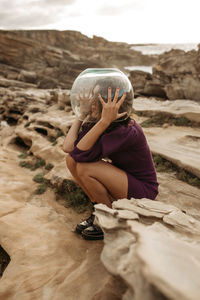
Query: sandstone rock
point(53, 59)
point(25, 76)
point(37, 233)
point(178, 145)
point(177, 108)
point(14, 83)
point(175, 76)
point(176, 192)
point(138, 80)
point(144, 207)
point(152, 259)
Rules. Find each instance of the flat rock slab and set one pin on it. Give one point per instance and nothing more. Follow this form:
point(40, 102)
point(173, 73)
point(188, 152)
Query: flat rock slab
point(186, 108)
point(48, 260)
point(176, 192)
point(154, 259)
point(180, 145)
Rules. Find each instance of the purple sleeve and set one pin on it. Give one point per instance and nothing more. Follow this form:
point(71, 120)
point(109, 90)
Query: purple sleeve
point(107, 144)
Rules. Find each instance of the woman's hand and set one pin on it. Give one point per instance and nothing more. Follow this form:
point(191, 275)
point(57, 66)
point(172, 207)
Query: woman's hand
point(110, 109)
point(85, 104)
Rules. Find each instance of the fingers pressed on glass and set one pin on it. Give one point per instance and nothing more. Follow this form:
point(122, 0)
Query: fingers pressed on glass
point(83, 92)
point(101, 99)
point(90, 93)
point(121, 115)
point(109, 94)
point(116, 95)
point(122, 99)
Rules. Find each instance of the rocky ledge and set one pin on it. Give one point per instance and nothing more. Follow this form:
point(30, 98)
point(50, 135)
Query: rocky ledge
point(153, 247)
point(154, 244)
point(37, 217)
point(53, 59)
point(176, 75)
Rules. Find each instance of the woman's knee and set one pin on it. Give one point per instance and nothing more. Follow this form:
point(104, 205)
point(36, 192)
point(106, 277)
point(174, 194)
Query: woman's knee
point(70, 162)
point(82, 169)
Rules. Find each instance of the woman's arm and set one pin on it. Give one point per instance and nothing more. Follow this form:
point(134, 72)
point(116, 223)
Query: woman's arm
point(71, 136)
point(109, 114)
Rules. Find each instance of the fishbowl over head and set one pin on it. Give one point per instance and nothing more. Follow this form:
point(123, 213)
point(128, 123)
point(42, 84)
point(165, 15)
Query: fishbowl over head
point(91, 82)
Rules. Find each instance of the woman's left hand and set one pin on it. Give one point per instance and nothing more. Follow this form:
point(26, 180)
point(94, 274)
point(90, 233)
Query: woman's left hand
point(110, 109)
point(85, 103)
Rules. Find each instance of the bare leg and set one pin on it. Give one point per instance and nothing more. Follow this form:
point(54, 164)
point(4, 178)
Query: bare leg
point(72, 164)
point(101, 179)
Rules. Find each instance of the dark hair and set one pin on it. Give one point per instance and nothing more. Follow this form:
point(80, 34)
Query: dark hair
point(120, 122)
point(112, 126)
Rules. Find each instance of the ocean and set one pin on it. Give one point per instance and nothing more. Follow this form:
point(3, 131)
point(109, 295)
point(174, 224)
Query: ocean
point(161, 48)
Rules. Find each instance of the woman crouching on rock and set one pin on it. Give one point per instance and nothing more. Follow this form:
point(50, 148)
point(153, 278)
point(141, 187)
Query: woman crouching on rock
point(109, 159)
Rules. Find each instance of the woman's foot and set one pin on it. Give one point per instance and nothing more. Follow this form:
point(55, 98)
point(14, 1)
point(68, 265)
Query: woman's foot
point(85, 224)
point(93, 232)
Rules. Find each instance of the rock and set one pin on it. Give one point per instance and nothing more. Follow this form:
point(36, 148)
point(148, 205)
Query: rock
point(178, 145)
point(177, 108)
point(42, 226)
point(37, 233)
point(15, 83)
point(152, 259)
point(53, 59)
point(25, 76)
point(176, 75)
point(177, 192)
point(138, 80)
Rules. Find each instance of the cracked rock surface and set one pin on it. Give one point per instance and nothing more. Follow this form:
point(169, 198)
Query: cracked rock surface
point(155, 260)
point(48, 261)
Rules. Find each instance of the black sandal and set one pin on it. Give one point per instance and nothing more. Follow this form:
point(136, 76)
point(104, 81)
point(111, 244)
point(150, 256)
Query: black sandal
point(93, 232)
point(85, 224)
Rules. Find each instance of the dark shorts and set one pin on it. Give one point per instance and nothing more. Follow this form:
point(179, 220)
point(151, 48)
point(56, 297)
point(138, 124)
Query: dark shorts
point(139, 189)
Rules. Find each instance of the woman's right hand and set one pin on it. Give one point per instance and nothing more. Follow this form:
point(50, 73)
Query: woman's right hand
point(110, 111)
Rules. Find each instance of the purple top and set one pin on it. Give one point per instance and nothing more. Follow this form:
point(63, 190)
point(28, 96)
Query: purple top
point(126, 146)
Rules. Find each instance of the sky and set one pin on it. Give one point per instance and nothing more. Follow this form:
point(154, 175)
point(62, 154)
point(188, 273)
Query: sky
point(131, 21)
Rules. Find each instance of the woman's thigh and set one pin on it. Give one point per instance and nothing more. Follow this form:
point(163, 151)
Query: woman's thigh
point(114, 179)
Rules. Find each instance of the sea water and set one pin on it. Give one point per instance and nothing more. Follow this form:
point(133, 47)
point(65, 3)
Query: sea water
point(156, 49)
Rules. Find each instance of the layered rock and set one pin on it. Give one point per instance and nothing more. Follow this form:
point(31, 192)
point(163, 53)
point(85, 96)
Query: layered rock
point(176, 109)
point(53, 59)
point(47, 259)
point(172, 130)
point(176, 75)
point(153, 247)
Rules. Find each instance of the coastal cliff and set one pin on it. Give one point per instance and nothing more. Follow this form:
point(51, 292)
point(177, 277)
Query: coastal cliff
point(151, 247)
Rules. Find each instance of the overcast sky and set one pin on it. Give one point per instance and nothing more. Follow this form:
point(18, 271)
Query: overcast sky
point(131, 21)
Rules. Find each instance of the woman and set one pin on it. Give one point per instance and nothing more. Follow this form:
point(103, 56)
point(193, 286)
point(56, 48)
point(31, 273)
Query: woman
point(131, 172)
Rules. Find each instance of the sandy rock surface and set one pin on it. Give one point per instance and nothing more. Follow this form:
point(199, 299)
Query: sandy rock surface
point(177, 108)
point(179, 145)
point(175, 76)
point(53, 59)
point(48, 260)
point(153, 259)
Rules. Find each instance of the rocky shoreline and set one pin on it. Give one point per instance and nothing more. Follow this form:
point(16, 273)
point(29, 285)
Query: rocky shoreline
point(176, 75)
point(44, 257)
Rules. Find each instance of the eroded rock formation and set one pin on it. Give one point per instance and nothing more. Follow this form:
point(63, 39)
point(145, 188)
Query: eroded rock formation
point(154, 247)
point(34, 122)
point(53, 59)
point(36, 229)
point(175, 76)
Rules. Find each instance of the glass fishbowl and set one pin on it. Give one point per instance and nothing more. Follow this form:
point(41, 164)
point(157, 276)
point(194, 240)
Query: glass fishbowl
point(91, 82)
